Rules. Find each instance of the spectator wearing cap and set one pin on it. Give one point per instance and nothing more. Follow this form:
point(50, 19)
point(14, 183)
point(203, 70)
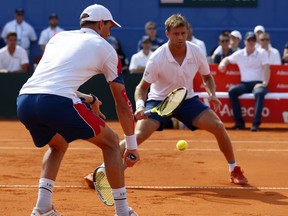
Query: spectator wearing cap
point(139, 60)
point(259, 29)
point(225, 49)
point(50, 31)
point(255, 74)
point(13, 58)
point(273, 53)
point(151, 32)
point(235, 39)
point(25, 32)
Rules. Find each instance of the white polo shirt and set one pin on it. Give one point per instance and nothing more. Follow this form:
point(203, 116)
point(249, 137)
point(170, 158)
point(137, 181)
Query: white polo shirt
point(139, 59)
point(166, 74)
point(199, 43)
point(25, 33)
point(250, 66)
point(13, 62)
point(70, 59)
point(273, 56)
point(47, 34)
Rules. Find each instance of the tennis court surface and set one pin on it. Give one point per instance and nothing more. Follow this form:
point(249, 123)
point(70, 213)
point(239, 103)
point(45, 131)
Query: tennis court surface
point(166, 181)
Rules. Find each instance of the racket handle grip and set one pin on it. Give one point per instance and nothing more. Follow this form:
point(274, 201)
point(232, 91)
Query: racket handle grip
point(132, 157)
point(147, 112)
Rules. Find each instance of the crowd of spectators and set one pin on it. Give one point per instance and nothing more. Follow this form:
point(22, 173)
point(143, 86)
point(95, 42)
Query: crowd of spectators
point(228, 43)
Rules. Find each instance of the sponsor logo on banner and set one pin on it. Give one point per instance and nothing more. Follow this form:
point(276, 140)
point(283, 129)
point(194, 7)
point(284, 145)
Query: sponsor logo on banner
point(249, 111)
point(285, 116)
point(282, 73)
point(233, 73)
point(282, 86)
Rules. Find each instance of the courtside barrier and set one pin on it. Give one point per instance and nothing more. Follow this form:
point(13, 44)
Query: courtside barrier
point(276, 101)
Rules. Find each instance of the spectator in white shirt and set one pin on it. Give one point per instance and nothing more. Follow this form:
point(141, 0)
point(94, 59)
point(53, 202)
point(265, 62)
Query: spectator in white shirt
point(25, 32)
point(13, 58)
point(49, 32)
point(194, 40)
point(273, 54)
point(139, 59)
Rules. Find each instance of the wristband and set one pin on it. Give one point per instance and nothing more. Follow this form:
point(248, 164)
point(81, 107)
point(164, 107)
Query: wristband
point(94, 99)
point(131, 142)
point(139, 103)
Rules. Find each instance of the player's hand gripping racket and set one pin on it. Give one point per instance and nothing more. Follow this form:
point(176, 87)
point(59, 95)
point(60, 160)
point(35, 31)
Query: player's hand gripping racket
point(170, 104)
point(102, 185)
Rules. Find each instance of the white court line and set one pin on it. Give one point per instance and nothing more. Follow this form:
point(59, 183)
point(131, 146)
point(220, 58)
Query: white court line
point(174, 141)
point(162, 187)
point(154, 149)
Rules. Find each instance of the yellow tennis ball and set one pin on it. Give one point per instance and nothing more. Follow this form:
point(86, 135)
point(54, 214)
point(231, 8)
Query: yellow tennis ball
point(181, 145)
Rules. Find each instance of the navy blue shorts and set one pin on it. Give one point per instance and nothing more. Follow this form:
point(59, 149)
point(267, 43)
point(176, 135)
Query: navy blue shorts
point(186, 113)
point(44, 115)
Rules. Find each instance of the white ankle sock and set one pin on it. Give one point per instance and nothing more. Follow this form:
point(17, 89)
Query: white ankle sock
point(232, 165)
point(121, 204)
point(44, 202)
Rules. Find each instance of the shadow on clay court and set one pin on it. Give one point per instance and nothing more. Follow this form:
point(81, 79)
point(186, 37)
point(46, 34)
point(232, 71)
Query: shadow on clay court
point(230, 195)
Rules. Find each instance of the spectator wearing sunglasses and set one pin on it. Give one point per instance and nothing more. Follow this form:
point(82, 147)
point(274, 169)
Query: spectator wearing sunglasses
point(151, 31)
point(225, 50)
point(273, 54)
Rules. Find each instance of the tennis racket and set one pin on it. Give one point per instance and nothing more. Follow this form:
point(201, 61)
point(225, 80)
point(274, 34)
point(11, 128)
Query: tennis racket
point(170, 104)
point(102, 185)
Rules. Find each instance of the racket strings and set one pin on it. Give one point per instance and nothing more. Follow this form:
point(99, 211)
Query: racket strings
point(103, 188)
point(172, 102)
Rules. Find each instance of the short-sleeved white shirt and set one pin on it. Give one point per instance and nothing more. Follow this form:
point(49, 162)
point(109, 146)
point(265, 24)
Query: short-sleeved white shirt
point(250, 66)
point(47, 34)
point(70, 59)
point(25, 33)
point(139, 59)
point(201, 44)
point(274, 56)
point(165, 74)
point(13, 62)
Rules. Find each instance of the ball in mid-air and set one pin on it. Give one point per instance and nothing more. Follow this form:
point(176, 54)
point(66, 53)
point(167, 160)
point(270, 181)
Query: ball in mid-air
point(181, 145)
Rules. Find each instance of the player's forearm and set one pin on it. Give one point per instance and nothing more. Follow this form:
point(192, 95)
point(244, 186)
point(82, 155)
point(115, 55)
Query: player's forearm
point(126, 119)
point(209, 84)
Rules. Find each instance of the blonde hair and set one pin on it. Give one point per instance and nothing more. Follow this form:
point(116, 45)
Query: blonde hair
point(175, 21)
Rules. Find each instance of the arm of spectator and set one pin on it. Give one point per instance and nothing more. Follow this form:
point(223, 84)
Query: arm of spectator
point(223, 64)
point(139, 69)
point(285, 54)
point(266, 72)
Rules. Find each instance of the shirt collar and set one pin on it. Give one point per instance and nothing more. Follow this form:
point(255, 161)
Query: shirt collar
point(170, 56)
point(89, 30)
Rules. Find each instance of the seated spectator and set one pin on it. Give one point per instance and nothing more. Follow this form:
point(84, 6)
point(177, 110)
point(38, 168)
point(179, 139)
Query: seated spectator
point(117, 46)
point(139, 60)
point(49, 32)
point(151, 31)
point(259, 29)
point(285, 54)
point(13, 58)
point(194, 40)
point(218, 48)
point(225, 49)
point(255, 74)
point(235, 39)
point(25, 32)
point(273, 54)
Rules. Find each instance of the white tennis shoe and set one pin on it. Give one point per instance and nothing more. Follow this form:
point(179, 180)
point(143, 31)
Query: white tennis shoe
point(37, 212)
point(131, 212)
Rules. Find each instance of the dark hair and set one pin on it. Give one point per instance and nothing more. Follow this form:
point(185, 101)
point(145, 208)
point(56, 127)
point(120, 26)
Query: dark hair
point(11, 34)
